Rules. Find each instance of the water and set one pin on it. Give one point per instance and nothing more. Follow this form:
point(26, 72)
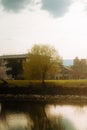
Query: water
point(36, 116)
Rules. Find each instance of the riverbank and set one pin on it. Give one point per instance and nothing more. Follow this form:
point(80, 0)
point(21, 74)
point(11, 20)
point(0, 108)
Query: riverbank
point(51, 91)
point(47, 99)
point(50, 87)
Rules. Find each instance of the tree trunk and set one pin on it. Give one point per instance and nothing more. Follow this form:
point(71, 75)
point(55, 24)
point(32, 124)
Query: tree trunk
point(43, 78)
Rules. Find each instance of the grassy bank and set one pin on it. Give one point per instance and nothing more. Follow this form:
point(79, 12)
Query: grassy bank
point(48, 83)
point(52, 90)
point(51, 87)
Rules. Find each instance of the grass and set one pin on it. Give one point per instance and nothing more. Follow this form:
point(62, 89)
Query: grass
point(49, 83)
point(25, 88)
point(51, 87)
point(24, 83)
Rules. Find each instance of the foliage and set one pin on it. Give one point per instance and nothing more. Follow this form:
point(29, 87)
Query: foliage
point(79, 68)
point(42, 60)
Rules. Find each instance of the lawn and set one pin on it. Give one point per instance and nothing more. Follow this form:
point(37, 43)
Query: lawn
point(48, 83)
point(52, 88)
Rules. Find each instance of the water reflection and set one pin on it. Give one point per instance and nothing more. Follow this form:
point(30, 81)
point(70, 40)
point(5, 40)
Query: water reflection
point(72, 117)
point(26, 116)
point(18, 121)
point(14, 121)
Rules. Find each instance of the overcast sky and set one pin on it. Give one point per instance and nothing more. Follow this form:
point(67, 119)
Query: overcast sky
point(60, 23)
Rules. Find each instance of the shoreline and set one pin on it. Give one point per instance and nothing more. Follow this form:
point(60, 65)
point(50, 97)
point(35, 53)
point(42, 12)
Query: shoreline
point(47, 99)
point(64, 91)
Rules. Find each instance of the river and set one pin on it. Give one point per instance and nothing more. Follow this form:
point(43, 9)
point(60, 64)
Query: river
point(41, 116)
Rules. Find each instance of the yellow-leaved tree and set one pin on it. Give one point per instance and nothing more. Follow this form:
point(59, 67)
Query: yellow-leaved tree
point(41, 61)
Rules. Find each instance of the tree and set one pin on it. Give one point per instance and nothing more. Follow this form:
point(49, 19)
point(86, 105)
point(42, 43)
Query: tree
point(41, 60)
point(79, 68)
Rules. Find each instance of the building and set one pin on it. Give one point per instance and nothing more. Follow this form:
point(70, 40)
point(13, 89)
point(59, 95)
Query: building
point(67, 72)
point(3, 69)
point(13, 65)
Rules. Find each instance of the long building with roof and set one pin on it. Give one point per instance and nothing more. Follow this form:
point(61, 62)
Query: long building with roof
point(13, 65)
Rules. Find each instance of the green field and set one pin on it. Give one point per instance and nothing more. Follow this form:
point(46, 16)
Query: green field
point(27, 89)
point(48, 83)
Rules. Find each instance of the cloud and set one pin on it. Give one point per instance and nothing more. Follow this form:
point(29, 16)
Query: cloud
point(14, 5)
point(56, 7)
point(85, 4)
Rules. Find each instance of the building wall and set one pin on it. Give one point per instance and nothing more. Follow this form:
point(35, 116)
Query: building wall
point(13, 66)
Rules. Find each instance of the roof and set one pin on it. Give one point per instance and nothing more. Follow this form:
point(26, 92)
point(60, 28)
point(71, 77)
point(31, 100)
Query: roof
point(13, 56)
point(67, 68)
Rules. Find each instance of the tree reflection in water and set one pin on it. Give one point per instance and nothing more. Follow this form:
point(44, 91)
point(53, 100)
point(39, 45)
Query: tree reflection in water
point(31, 117)
point(57, 120)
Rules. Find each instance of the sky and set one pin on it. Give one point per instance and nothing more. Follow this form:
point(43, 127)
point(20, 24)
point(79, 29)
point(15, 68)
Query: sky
point(59, 23)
